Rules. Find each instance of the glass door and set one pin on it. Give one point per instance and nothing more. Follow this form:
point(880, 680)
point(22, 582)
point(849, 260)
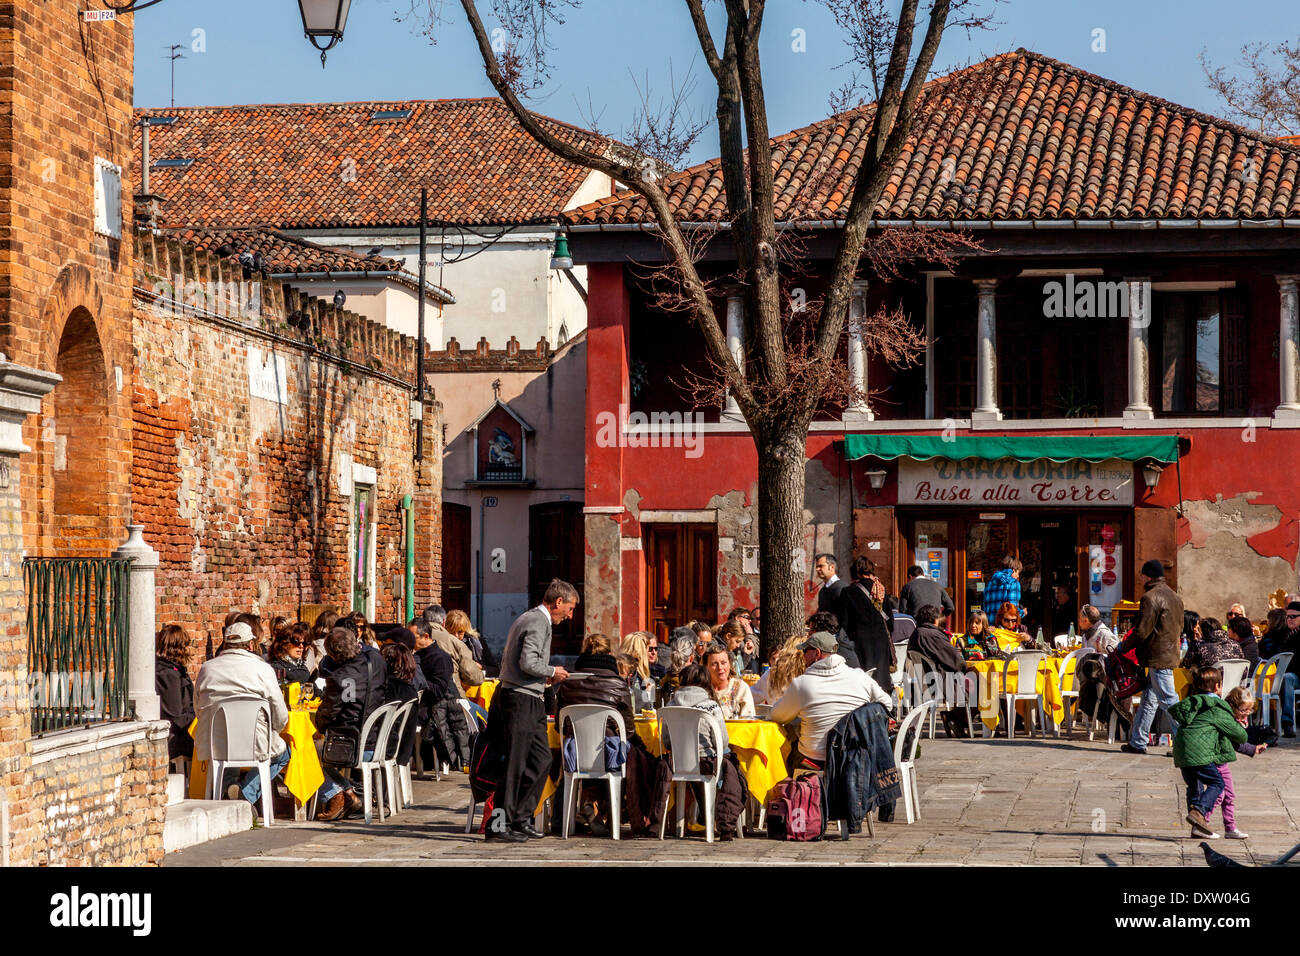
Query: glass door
point(987, 543)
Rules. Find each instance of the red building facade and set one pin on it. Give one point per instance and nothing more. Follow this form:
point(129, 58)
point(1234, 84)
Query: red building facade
point(1113, 377)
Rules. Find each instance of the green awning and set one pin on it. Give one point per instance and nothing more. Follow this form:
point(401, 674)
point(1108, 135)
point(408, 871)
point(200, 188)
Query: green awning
point(1162, 448)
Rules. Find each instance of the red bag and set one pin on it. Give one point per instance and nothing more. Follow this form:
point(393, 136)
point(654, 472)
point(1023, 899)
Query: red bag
point(794, 809)
point(1124, 674)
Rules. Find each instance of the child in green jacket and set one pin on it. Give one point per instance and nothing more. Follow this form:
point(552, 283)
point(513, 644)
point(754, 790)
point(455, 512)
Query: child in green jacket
point(1207, 734)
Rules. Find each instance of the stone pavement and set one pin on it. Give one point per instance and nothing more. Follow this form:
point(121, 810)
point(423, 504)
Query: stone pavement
point(983, 802)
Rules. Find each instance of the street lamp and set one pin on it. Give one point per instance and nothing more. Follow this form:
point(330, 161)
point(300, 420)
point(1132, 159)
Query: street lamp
point(561, 259)
point(323, 21)
point(877, 478)
point(1151, 474)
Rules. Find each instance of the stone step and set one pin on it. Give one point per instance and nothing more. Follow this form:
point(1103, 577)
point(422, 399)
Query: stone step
point(175, 788)
point(191, 822)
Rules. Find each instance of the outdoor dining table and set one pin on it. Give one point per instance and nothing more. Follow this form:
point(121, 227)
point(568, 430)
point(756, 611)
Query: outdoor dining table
point(1048, 684)
point(760, 747)
point(303, 775)
point(481, 694)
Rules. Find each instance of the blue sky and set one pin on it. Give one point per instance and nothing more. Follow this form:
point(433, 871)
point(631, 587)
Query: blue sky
point(253, 51)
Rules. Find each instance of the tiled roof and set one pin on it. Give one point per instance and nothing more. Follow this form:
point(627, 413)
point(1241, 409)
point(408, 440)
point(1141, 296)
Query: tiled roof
point(330, 165)
point(1039, 140)
point(282, 253)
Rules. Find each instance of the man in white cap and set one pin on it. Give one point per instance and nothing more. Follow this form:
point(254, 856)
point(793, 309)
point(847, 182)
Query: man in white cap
point(826, 691)
point(239, 672)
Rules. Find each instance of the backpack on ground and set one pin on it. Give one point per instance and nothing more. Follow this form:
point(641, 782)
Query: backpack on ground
point(794, 809)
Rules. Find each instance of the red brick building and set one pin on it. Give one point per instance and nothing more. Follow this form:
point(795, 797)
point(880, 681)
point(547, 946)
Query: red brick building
point(76, 795)
point(1114, 377)
point(274, 441)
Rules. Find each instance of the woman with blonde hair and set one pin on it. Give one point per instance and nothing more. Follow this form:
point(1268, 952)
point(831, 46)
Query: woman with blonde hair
point(784, 664)
point(458, 625)
point(636, 645)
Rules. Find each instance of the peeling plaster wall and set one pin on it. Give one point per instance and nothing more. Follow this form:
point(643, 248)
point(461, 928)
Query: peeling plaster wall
point(1219, 563)
point(602, 574)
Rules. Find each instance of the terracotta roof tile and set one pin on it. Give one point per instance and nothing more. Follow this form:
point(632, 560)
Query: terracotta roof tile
point(1041, 140)
point(282, 253)
point(327, 165)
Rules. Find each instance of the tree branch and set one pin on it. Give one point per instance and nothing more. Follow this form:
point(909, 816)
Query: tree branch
point(644, 185)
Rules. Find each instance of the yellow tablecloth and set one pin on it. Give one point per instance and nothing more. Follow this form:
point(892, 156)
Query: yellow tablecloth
point(760, 747)
point(482, 693)
point(1183, 681)
point(1049, 685)
point(304, 775)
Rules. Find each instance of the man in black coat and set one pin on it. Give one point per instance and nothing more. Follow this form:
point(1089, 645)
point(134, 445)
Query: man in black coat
point(920, 591)
point(867, 622)
point(828, 595)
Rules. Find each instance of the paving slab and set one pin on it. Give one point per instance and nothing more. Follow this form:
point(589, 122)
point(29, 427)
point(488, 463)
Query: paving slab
point(983, 802)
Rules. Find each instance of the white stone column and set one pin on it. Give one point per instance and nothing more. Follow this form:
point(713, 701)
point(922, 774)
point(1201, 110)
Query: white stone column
point(1138, 299)
point(861, 407)
point(735, 343)
point(140, 668)
point(986, 355)
point(1288, 350)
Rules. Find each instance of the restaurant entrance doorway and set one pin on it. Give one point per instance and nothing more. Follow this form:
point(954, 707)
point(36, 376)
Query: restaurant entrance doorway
point(1070, 558)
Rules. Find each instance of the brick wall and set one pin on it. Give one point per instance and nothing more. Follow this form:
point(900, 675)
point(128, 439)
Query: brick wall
point(247, 499)
point(97, 800)
point(67, 102)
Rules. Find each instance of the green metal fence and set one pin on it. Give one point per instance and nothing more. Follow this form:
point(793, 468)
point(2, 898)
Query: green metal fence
point(78, 622)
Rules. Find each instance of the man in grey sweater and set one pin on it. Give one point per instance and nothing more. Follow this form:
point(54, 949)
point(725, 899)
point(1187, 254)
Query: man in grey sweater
point(517, 721)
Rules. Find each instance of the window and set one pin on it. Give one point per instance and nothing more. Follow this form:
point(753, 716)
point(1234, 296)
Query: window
point(1202, 352)
point(108, 198)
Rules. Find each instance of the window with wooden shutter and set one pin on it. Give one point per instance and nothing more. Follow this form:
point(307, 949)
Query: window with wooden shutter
point(1236, 351)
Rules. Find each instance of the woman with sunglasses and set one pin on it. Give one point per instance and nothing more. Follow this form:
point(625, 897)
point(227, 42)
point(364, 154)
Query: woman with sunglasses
point(286, 654)
point(1009, 620)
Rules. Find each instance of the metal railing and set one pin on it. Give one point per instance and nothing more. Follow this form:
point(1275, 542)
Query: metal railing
point(78, 640)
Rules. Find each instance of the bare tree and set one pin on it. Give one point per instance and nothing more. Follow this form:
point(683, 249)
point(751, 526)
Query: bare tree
point(1267, 93)
point(790, 366)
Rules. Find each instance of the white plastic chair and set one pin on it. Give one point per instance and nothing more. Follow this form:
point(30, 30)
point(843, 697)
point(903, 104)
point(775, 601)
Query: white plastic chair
point(1274, 695)
point(588, 723)
point(1235, 670)
point(399, 776)
point(907, 768)
point(372, 770)
point(233, 738)
point(899, 676)
point(1069, 687)
point(1027, 665)
point(680, 731)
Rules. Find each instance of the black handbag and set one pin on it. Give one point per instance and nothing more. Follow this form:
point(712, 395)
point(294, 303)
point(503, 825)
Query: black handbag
point(341, 746)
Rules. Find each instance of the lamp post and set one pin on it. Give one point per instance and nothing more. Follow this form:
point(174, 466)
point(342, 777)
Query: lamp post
point(323, 22)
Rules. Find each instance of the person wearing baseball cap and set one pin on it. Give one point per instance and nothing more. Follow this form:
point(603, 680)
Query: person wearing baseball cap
point(1156, 638)
point(826, 691)
point(239, 672)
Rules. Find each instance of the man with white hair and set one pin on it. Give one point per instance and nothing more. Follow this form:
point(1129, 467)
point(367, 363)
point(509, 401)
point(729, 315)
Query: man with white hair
point(238, 673)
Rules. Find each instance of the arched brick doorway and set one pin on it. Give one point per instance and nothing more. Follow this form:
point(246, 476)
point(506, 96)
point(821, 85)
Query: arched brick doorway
point(81, 505)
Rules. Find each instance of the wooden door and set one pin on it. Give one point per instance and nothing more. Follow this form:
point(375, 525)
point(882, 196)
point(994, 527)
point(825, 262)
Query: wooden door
point(555, 550)
point(681, 576)
point(457, 557)
point(1154, 536)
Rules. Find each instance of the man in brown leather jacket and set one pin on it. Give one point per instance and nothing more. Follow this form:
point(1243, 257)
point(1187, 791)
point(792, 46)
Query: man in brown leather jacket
point(1155, 638)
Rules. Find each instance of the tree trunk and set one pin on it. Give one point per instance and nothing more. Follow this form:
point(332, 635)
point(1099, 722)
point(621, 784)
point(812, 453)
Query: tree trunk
point(783, 565)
